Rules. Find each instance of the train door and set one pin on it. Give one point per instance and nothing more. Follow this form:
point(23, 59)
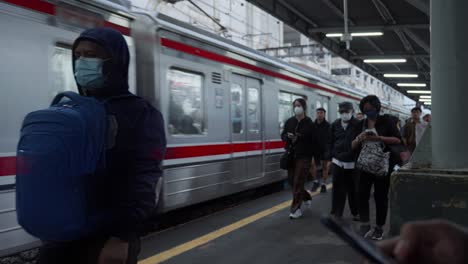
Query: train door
point(246, 129)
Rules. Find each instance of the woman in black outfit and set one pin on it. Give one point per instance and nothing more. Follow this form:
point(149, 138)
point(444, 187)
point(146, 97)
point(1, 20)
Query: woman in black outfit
point(298, 132)
point(376, 128)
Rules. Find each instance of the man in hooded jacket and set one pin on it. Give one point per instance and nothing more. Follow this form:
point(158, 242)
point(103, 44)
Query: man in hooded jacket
point(126, 196)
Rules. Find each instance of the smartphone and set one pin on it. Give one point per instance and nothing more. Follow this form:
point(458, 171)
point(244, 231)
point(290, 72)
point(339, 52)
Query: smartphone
point(361, 245)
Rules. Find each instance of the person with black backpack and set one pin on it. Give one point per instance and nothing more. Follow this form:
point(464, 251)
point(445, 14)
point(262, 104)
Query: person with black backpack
point(98, 155)
point(298, 133)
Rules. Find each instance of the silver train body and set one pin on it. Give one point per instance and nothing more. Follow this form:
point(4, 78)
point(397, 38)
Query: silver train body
point(223, 103)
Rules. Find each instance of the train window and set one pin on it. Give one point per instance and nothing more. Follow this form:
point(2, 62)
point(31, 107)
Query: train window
point(236, 108)
point(186, 114)
point(62, 70)
point(253, 113)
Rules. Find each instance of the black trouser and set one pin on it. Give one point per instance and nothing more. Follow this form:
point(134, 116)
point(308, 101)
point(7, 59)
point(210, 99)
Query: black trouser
point(381, 185)
point(82, 251)
point(344, 184)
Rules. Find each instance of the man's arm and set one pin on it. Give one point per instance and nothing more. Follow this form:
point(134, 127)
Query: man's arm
point(144, 158)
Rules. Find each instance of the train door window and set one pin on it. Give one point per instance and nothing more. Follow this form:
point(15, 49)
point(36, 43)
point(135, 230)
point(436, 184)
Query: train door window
point(186, 112)
point(62, 70)
point(318, 105)
point(325, 106)
point(237, 108)
point(253, 111)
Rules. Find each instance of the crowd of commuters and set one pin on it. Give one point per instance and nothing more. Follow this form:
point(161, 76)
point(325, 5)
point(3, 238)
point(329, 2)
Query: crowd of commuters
point(362, 148)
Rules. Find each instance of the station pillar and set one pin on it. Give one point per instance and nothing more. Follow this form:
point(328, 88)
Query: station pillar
point(449, 78)
point(435, 183)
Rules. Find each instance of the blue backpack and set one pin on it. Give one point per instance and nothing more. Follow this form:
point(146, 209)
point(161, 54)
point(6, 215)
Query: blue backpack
point(59, 152)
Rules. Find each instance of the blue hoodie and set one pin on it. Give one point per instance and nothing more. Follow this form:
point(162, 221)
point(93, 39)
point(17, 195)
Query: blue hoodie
point(127, 193)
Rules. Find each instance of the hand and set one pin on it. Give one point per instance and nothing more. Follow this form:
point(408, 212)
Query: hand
point(432, 241)
point(362, 137)
point(115, 251)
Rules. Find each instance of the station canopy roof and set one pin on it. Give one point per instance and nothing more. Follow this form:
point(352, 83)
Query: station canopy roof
point(404, 24)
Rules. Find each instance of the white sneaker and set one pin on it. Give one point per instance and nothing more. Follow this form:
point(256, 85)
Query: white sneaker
point(296, 214)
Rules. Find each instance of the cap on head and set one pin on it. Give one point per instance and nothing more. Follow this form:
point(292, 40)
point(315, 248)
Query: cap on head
point(345, 106)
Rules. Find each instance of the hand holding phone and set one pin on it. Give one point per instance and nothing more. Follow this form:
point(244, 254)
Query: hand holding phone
point(358, 243)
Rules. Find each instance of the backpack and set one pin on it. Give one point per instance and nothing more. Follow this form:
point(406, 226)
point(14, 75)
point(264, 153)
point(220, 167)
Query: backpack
point(372, 159)
point(59, 153)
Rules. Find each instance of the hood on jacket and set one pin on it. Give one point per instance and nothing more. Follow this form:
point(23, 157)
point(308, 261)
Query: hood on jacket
point(115, 69)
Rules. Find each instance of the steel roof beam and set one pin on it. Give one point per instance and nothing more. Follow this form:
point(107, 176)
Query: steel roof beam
point(297, 12)
point(423, 7)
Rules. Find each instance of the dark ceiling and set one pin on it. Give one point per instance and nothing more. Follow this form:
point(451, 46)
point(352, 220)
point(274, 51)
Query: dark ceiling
point(405, 24)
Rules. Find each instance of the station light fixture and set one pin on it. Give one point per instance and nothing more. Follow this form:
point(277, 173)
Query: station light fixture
point(385, 60)
point(400, 75)
point(427, 103)
point(418, 92)
point(411, 84)
point(425, 97)
point(355, 34)
point(425, 100)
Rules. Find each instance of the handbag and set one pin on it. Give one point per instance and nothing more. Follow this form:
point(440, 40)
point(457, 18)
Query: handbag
point(287, 158)
point(372, 159)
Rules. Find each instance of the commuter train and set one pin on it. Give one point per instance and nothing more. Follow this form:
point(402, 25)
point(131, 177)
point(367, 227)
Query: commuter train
point(224, 104)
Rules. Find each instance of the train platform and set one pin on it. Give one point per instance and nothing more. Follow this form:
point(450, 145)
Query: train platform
point(258, 231)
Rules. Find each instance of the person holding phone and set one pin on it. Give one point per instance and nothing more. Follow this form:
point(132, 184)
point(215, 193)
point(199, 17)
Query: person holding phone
point(382, 130)
point(298, 133)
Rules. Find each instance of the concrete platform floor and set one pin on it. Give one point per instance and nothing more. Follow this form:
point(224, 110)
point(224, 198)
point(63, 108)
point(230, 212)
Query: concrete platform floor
point(255, 232)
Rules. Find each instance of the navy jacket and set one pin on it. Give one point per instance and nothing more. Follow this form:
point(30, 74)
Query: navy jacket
point(127, 195)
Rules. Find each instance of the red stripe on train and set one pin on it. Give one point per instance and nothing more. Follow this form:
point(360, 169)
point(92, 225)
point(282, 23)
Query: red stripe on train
point(49, 8)
point(8, 164)
point(38, 5)
point(220, 58)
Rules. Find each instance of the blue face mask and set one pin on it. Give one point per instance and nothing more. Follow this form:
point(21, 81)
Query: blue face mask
point(88, 73)
point(371, 114)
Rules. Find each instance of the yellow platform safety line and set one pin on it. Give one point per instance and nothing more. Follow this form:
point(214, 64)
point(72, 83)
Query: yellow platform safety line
point(170, 253)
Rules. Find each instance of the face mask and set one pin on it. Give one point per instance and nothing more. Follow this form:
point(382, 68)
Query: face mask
point(298, 110)
point(346, 116)
point(88, 72)
point(371, 114)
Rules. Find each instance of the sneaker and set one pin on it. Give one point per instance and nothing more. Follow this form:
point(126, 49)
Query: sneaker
point(296, 214)
point(323, 189)
point(315, 186)
point(377, 234)
point(365, 230)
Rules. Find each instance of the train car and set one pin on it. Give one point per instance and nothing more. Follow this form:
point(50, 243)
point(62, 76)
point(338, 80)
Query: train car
point(224, 104)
